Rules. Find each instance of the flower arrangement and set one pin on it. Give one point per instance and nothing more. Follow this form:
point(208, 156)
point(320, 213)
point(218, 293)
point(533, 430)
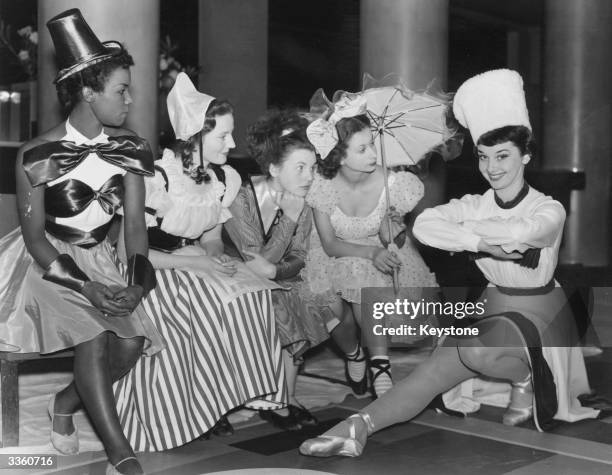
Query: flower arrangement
point(169, 66)
point(23, 45)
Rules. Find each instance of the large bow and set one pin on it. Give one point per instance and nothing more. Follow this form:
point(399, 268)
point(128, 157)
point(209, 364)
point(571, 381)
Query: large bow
point(54, 159)
point(322, 133)
point(70, 197)
point(323, 136)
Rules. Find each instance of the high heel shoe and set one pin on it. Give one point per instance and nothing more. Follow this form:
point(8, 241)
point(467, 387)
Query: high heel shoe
point(302, 416)
point(520, 408)
point(330, 445)
point(113, 470)
point(223, 428)
point(64, 444)
point(287, 422)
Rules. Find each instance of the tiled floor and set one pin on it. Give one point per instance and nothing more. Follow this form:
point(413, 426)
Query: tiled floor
point(430, 444)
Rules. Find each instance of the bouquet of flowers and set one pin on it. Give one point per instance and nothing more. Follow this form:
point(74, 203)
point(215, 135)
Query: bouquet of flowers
point(23, 45)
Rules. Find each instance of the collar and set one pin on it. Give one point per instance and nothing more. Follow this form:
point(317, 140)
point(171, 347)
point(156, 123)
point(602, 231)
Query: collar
point(73, 135)
point(514, 201)
point(266, 198)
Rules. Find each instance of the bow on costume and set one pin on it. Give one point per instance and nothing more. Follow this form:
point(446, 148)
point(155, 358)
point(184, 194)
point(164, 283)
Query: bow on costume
point(322, 132)
point(69, 197)
point(54, 159)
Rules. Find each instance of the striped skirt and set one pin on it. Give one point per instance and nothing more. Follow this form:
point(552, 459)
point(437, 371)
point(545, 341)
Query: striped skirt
point(218, 357)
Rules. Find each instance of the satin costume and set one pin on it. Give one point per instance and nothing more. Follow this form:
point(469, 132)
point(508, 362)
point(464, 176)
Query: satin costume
point(258, 225)
point(83, 180)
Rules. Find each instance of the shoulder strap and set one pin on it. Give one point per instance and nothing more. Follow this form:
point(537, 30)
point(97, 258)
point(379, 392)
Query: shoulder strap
point(163, 174)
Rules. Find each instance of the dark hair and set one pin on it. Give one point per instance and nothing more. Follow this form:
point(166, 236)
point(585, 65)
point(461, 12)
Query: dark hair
point(70, 90)
point(184, 148)
point(519, 135)
point(274, 135)
point(346, 128)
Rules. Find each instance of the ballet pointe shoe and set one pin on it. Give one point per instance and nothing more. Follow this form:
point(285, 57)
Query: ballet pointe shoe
point(113, 469)
point(330, 445)
point(64, 444)
point(358, 387)
point(520, 408)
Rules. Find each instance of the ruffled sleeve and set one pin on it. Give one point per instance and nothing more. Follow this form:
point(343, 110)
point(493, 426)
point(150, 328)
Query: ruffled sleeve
point(322, 195)
point(233, 182)
point(405, 191)
point(157, 198)
point(188, 209)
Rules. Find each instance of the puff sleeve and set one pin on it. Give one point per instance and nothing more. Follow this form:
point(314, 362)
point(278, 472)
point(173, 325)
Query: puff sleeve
point(233, 182)
point(405, 191)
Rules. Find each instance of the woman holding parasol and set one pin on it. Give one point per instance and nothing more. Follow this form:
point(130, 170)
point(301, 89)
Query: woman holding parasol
point(352, 197)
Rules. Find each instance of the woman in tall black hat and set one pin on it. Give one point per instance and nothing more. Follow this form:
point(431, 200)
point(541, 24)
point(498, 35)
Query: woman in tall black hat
point(64, 289)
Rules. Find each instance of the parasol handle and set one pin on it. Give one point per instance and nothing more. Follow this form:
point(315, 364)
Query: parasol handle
point(388, 206)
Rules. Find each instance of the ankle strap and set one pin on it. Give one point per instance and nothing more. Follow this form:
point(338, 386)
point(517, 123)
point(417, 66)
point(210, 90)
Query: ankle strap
point(354, 356)
point(380, 366)
point(124, 460)
point(524, 383)
point(365, 417)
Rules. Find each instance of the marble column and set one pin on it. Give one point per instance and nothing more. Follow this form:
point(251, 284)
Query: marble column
point(135, 23)
point(409, 38)
point(233, 55)
point(578, 119)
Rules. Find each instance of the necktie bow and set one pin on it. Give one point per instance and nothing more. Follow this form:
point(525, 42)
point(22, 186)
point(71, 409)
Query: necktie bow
point(54, 159)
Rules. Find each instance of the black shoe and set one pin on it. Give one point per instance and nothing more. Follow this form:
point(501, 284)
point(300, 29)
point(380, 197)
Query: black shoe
point(222, 428)
point(282, 422)
point(437, 404)
point(358, 387)
point(302, 416)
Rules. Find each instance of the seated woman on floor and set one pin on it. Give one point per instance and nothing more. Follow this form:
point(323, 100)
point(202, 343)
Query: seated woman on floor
point(216, 315)
point(527, 338)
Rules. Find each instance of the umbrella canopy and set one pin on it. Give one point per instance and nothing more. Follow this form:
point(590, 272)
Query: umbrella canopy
point(406, 125)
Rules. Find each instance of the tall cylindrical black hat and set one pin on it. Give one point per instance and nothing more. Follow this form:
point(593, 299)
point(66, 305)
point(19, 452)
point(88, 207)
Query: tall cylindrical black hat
point(76, 45)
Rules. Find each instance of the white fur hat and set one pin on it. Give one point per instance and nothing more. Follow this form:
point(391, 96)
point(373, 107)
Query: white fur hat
point(491, 100)
point(187, 107)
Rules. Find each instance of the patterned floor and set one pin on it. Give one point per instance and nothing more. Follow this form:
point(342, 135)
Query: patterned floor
point(432, 443)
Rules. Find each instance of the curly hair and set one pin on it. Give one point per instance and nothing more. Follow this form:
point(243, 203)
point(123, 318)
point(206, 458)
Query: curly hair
point(70, 89)
point(184, 148)
point(276, 134)
point(519, 135)
point(346, 128)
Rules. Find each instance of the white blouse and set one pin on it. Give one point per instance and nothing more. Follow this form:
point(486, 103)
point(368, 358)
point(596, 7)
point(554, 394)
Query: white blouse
point(535, 222)
point(189, 209)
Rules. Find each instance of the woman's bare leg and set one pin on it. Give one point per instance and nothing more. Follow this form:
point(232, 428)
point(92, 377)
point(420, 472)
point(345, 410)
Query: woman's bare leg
point(125, 354)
